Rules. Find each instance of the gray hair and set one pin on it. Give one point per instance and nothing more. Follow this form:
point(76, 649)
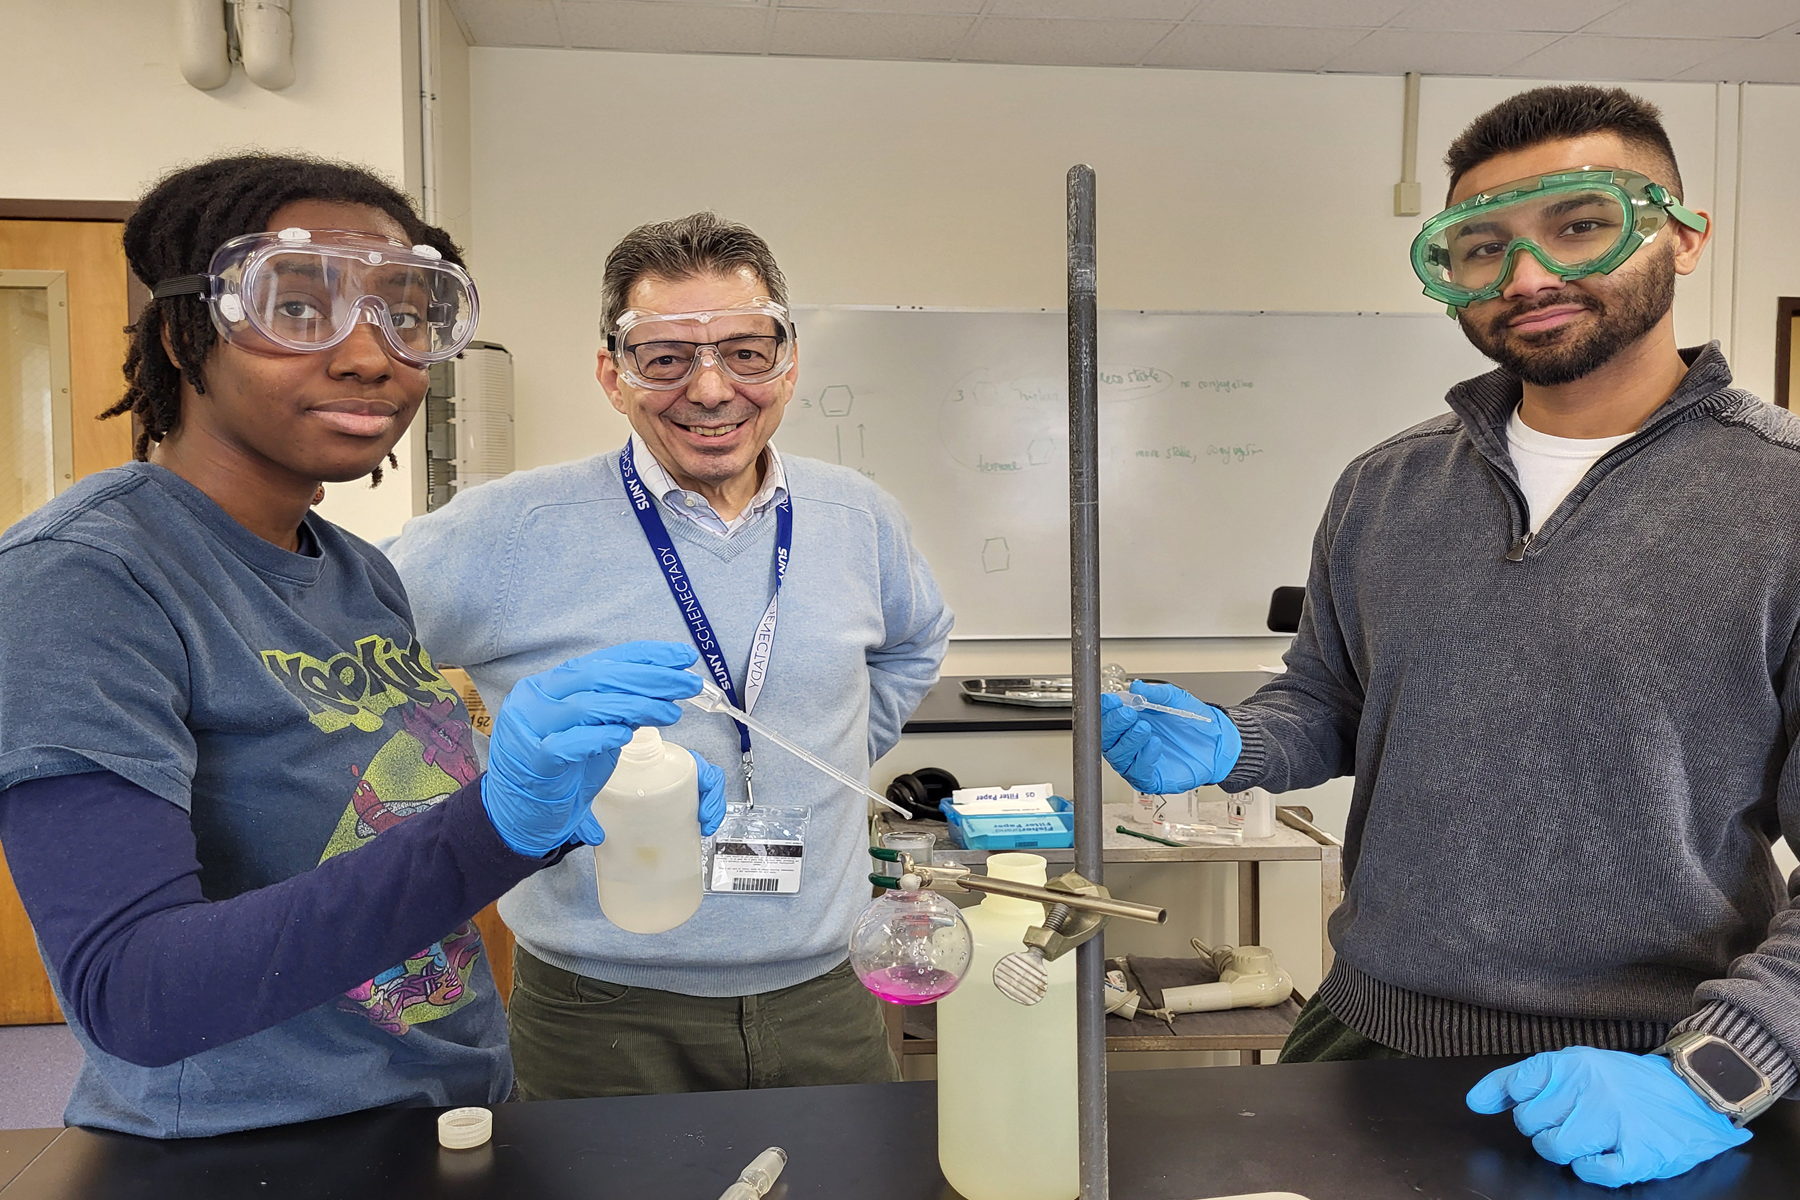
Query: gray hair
point(702, 244)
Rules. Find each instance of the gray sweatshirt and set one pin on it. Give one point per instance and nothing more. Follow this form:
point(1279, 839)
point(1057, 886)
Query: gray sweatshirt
point(1572, 750)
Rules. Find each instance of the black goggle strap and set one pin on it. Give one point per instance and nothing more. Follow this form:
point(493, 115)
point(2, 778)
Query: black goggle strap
point(185, 285)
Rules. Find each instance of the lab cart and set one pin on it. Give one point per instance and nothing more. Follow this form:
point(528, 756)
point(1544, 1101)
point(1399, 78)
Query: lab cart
point(912, 1029)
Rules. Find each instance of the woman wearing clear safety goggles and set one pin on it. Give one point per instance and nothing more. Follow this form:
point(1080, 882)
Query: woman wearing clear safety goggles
point(240, 802)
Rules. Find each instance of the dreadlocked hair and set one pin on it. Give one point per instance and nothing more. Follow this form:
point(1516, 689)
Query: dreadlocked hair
point(178, 224)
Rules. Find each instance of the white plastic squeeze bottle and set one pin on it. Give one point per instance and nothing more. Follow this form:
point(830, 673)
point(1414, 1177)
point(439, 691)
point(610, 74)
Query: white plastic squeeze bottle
point(1006, 1072)
point(649, 865)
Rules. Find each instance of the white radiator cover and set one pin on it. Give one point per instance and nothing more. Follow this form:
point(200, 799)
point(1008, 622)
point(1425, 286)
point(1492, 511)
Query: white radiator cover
point(484, 415)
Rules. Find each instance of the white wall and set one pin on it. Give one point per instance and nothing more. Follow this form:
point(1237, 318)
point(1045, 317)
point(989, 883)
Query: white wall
point(941, 184)
point(97, 110)
point(1768, 235)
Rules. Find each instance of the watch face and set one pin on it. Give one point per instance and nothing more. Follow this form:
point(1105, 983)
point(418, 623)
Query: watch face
point(1731, 1078)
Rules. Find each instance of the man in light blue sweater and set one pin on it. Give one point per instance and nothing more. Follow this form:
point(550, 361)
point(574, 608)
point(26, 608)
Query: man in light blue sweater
point(799, 583)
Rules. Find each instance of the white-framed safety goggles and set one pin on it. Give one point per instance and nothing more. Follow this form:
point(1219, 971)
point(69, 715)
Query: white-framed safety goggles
point(305, 290)
point(751, 342)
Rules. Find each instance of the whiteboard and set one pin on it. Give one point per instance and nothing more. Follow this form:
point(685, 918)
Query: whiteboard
point(1221, 435)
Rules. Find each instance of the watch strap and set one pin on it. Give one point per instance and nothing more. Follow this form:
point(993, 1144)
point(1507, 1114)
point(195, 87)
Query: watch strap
point(1748, 1035)
point(1679, 1050)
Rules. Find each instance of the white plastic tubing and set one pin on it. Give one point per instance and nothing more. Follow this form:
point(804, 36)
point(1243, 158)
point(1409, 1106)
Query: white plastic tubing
point(265, 30)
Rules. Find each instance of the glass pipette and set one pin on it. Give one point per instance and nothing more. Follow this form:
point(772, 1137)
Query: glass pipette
point(712, 700)
point(1133, 700)
point(1114, 682)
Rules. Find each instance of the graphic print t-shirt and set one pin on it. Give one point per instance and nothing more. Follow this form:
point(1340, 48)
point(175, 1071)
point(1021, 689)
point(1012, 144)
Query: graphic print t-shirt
point(283, 700)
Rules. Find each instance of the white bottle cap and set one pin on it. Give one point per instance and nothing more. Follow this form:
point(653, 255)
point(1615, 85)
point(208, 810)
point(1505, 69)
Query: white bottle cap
point(465, 1128)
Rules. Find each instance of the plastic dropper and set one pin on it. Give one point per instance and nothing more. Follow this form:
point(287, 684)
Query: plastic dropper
point(713, 700)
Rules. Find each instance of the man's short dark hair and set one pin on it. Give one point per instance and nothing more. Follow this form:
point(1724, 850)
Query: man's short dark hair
point(702, 244)
point(1553, 114)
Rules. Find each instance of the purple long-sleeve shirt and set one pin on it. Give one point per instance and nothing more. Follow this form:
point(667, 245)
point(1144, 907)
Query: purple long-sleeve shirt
point(154, 972)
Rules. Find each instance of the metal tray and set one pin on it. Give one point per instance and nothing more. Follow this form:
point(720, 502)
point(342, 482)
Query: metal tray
point(1023, 691)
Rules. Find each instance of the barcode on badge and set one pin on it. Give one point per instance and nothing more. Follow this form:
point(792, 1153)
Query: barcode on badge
point(764, 884)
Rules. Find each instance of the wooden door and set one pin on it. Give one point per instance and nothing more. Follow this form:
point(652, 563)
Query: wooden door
point(91, 255)
point(494, 933)
point(25, 996)
point(1793, 339)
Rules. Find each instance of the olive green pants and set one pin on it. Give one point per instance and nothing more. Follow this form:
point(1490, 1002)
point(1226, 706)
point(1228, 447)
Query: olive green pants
point(1318, 1036)
point(573, 1036)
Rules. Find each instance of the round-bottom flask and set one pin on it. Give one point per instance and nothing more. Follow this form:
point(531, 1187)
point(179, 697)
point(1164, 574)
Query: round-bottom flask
point(911, 947)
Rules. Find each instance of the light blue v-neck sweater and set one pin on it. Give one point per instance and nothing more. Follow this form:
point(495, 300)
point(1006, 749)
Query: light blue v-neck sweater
point(523, 573)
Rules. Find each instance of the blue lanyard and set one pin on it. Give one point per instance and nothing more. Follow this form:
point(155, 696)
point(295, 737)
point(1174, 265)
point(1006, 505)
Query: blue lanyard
point(699, 628)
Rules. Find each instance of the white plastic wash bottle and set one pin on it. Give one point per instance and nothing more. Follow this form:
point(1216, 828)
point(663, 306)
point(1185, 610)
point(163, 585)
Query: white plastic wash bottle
point(1006, 1071)
point(649, 864)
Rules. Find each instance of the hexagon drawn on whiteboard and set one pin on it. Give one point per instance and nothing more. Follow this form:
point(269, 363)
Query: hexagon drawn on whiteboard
point(995, 556)
point(1039, 452)
point(835, 400)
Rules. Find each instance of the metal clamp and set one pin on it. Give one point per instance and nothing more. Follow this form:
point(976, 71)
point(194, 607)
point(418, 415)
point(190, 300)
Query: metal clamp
point(1090, 904)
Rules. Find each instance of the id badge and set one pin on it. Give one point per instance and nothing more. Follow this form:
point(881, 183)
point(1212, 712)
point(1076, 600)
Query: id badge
point(758, 851)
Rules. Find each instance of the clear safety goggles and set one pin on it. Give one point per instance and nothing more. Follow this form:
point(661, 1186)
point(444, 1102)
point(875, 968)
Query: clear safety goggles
point(1575, 223)
point(752, 343)
point(305, 290)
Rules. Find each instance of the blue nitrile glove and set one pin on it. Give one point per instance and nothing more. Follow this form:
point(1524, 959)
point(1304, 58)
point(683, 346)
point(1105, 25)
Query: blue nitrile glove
point(1616, 1118)
point(557, 739)
point(712, 796)
point(1160, 754)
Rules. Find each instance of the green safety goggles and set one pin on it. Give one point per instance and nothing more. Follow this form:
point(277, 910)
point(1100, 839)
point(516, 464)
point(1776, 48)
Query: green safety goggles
point(1575, 223)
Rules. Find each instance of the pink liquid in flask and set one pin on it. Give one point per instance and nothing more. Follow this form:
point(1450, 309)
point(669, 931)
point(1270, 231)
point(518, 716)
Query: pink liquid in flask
point(910, 985)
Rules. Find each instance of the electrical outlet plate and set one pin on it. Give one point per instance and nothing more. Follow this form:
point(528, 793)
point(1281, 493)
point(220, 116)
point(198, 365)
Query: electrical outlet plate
point(1407, 199)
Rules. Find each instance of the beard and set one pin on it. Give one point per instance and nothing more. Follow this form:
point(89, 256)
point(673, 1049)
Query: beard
point(1565, 354)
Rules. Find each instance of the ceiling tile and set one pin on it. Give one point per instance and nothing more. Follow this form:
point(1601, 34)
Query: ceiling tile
point(1518, 16)
point(1252, 47)
point(1337, 14)
point(1686, 18)
point(868, 35)
point(1584, 56)
point(509, 22)
point(1062, 42)
point(1774, 59)
point(1138, 10)
point(886, 6)
point(1396, 51)
point(674, 28)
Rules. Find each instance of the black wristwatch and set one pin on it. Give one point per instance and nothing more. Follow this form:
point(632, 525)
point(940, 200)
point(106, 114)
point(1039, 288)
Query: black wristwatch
point(1724, 1078)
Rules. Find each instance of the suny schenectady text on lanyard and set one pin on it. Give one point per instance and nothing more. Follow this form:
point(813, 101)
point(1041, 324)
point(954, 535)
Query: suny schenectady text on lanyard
point(699, 628)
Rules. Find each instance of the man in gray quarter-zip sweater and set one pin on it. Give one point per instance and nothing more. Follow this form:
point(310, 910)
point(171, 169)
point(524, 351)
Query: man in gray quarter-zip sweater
point(1552, 634)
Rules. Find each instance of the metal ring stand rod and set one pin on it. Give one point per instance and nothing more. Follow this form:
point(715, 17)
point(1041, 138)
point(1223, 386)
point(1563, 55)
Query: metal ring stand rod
point(1084, 651)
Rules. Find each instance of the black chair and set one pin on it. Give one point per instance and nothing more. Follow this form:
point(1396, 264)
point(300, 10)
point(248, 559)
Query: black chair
point(1284, 609)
